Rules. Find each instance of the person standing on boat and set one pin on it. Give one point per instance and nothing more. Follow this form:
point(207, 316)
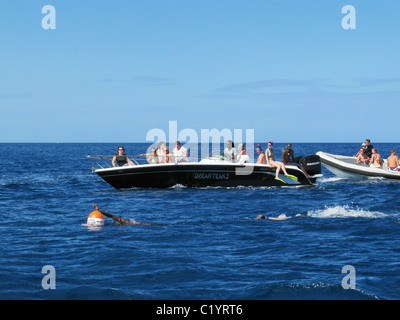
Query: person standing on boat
point(230, 152)
point(180, 153)
point(368, 148)
point(121, 158)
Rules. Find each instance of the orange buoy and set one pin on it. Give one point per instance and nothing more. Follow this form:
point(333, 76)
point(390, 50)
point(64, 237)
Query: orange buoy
point(96, 218)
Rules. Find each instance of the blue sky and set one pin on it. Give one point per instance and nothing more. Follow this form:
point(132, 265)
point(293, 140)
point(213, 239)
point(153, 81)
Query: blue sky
point(113, 70)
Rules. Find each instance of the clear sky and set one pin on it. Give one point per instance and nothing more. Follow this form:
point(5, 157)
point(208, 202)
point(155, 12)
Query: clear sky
point(113, 70)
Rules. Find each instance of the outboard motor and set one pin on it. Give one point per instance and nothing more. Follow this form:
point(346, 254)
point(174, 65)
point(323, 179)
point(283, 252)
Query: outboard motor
point(311, 164)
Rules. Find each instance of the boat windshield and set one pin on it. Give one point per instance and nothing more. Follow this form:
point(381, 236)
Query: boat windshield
point(219, 154)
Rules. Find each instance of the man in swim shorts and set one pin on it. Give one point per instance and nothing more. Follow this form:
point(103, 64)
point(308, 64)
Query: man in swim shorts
point(393, 161)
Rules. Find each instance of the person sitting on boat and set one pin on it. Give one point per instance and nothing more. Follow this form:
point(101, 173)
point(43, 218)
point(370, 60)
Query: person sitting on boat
point(376, 161)
point(393, 163)
point(151, 157)
point(230, 151)
point(261, 157)
point(242, 154)
point(362, 157)
point(121, 158)
point(270, 157)
point(168, 156)
point(161, 153)
point(180, 153)
point(288, 154)
point(242, 150)
point(359, 151)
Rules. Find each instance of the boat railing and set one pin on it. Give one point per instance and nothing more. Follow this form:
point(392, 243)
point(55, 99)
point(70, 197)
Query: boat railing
point(105, 161)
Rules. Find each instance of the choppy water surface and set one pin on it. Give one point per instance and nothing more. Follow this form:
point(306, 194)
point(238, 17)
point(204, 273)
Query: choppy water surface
point(201, 243)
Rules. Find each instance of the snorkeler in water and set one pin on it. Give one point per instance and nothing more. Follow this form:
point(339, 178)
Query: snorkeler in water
point(120, 221)
point(280, 217)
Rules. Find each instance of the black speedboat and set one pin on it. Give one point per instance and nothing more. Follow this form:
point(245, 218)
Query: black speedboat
point(213, 171)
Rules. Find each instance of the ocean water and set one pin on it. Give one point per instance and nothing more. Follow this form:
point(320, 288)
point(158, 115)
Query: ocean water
point(200, 243)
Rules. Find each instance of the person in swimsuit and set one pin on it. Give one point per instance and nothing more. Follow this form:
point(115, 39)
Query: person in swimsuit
point(152, 157)
point(376, 161)
point(121, 158)
point(269, 155)
point(393, 161)
point(161, 153)
point(120, 221)
point(261, 157)
point(280, 217)
point(362, 157)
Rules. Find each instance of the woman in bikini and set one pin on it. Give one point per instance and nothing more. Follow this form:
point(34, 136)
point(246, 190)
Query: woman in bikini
point(376, 159)
point(270, 157)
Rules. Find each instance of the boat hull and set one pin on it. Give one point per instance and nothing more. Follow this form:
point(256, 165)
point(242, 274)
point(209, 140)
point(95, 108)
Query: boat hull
point(346, 167)
point(201, 175)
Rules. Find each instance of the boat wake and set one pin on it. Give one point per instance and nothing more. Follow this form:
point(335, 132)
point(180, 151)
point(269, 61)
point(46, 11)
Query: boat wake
point(330, 179)
point(345, 212)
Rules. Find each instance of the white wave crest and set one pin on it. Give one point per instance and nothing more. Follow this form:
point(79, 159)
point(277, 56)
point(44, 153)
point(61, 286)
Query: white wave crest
point(329, 179)
point(345, 212)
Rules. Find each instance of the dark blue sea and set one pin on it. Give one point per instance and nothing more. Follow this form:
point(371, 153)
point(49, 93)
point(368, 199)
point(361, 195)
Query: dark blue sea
point(200, 243)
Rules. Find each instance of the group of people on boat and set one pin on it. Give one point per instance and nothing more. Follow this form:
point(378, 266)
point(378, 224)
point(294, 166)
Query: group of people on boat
point(369, 155)
point(161, 154)
point(269, 158)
